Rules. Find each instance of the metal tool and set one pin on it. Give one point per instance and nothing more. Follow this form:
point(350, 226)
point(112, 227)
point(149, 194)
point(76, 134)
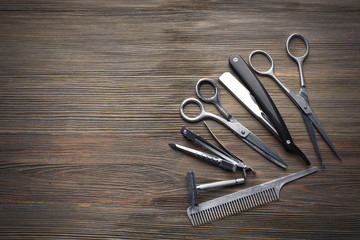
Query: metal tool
point(301, 100)
point(229, 121)
point(221, 158)
point(266, 104)
point(241, 201)
point(243, 95)
point(193, 188)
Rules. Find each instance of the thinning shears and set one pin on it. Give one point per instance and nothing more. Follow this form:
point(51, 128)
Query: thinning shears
point(301, 100)
point(229, 121)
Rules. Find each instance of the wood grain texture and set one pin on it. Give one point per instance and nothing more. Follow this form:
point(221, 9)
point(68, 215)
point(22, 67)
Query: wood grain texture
point(89, 99)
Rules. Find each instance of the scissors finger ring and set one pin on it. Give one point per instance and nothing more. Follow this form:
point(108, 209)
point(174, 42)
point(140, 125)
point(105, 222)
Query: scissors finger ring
point(270, 70)
point(212, 99)
point(297, 35)
point(199, 117)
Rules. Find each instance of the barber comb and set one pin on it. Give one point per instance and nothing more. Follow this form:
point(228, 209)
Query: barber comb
point(241, 201)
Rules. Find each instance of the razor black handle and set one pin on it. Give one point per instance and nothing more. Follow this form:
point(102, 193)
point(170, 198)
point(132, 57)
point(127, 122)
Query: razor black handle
point(262, 98)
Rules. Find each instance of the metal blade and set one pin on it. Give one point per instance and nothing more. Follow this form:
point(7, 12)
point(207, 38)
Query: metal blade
point(311, 131)
point(241, 163)
point(311, 115)
point(317, 124)
point(301, 154)
point(244, 96)
point(258, 145)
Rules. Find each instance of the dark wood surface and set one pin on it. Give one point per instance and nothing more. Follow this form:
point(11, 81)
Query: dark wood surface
point(89, 99)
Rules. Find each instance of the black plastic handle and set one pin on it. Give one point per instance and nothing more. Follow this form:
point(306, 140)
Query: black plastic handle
point(262, 98)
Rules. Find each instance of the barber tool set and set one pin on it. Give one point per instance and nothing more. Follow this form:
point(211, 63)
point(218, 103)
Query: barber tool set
point(256, 99)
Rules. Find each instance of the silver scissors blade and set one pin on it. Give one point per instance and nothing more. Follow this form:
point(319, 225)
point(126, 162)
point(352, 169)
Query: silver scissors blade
point(317, 124)
point(253, 141)
point(311, 131)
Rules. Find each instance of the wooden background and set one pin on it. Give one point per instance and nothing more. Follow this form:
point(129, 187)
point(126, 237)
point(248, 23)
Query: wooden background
point(89, 99)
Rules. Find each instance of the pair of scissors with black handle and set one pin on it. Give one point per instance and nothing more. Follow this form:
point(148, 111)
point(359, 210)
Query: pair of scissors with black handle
point(266, 104)
point(229, 121)
point(301, 100)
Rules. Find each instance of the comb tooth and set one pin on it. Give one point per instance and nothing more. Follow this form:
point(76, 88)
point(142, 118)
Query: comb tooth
point(257, 199)
point(263, 197)
point(194, 219)
point(252, 201)
point(243, 206)
point(228, 209)
point(202, 217)
point(233, 207)
point(200, 220)
point(274, 194)
point(213, 215)
point(197, 219)
point(216, 213)
point(222, 211)
point(237, 205)
point(268, 195)
point(206, 215)
point(194, 222)
point(245, 203)
point(258, 202)
point(249, 202)
point(225, 210)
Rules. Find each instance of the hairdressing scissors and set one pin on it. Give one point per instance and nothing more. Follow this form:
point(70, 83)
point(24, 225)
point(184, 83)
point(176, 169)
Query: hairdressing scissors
point(301, 100)
point(229, 121)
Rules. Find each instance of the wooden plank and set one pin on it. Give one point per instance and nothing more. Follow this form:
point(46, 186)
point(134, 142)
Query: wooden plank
point(89, 100)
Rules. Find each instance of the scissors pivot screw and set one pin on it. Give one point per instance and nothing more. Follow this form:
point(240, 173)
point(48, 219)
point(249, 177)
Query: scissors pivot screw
point(288, 142)
point(235, 59)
